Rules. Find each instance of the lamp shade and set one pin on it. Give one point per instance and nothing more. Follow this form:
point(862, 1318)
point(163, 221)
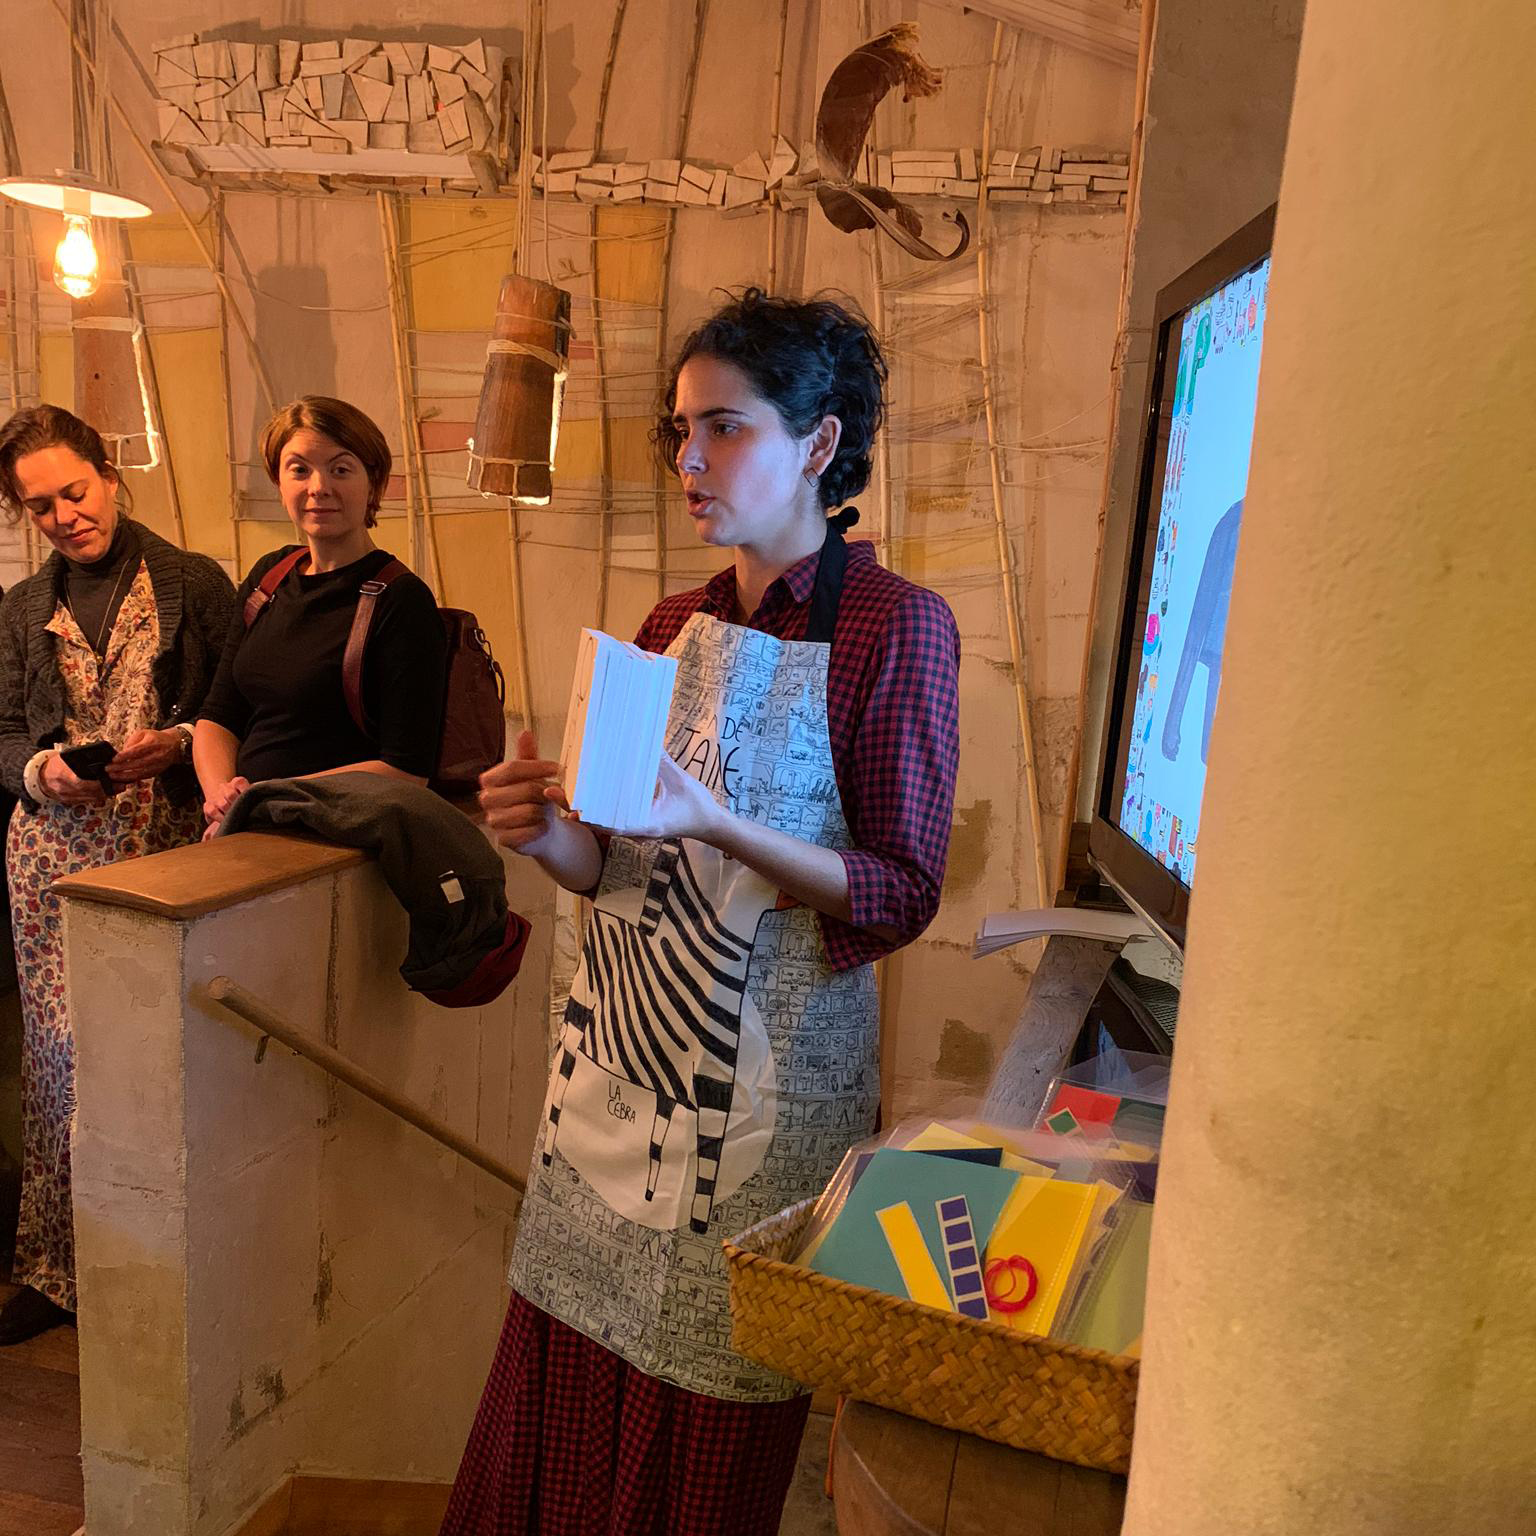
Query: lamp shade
point(111, 377)
point(69, 192)
point(516, 426)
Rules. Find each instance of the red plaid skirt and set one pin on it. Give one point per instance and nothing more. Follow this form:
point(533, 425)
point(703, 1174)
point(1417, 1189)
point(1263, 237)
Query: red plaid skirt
point(572, 1440)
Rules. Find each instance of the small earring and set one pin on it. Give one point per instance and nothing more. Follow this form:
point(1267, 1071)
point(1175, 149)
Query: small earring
point(812, 477)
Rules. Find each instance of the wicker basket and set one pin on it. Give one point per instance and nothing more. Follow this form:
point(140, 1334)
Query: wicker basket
point(1069, 1403)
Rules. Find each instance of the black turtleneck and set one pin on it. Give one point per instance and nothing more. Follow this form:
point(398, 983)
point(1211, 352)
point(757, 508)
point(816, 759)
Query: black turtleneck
point(95, 589)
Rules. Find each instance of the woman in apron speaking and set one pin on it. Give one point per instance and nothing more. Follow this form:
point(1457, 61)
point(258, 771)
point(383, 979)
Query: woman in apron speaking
point(719, 1050)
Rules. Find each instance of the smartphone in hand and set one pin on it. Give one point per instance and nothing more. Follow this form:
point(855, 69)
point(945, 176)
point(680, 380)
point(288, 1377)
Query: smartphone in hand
point(88, 761)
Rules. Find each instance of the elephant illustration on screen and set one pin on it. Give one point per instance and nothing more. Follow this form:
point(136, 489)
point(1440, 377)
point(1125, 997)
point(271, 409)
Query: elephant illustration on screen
point(1206, 632)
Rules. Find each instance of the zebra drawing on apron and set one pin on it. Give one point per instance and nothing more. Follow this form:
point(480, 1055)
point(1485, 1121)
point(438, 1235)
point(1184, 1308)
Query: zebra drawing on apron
point(664, 1016)
point(710, 1067)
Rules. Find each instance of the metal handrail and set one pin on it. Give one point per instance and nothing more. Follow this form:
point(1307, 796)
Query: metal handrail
point(233, 998)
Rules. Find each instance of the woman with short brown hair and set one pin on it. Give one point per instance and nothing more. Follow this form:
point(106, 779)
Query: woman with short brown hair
point(279, 705)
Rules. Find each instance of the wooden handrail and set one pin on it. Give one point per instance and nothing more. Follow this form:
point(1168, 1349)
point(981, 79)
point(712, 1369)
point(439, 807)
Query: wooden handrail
point(233, 998)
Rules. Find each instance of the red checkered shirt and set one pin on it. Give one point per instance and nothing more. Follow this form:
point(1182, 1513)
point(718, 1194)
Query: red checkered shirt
point(893, 719)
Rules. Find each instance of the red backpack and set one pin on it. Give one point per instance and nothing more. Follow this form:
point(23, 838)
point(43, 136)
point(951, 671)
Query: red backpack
point(474, 733)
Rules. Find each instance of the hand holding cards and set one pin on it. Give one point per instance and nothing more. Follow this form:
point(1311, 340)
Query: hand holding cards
point(621, 697)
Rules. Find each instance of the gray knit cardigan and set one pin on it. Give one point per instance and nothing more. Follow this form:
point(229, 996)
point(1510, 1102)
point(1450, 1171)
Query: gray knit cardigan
point(195, 602)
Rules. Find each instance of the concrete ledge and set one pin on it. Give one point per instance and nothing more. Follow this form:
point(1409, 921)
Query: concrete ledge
point(208, 877)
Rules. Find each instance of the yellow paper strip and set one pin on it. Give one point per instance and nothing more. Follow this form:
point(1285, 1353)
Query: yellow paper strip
point(918, 1272)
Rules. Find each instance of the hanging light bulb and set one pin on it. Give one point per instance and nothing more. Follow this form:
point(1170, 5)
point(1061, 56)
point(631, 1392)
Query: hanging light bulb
point(76, 266)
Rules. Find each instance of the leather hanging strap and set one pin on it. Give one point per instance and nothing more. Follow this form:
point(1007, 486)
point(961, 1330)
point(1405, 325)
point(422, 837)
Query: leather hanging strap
point(357, 641)
point(261, 593)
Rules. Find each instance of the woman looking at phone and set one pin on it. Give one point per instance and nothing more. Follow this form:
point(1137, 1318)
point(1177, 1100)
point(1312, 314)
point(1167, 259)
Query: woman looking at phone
point(105, 655)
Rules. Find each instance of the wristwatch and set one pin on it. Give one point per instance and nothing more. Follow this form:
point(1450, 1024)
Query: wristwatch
point(185, 731)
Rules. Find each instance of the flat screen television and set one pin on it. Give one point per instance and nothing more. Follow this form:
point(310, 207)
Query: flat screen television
point(1193, 476)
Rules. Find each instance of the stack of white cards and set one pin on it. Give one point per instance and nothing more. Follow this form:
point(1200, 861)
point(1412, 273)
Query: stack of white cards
point(620, 699)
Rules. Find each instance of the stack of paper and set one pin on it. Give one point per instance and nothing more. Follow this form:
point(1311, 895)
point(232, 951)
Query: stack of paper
point(1000, 929)
point(620, 699)
point(962, 1218)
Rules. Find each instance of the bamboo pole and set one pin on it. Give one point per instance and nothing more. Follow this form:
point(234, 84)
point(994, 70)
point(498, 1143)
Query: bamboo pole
point(397, 343)
point(12, 231)
point(216, 208)
point(158, 171)
point(425, 544)
point(994, 463)
point(534, 63)
point(599, 341)
point(885, 540)
point(519, 613)
point(685, 118)
point(526, 105)
point(13, 291)
point(233, 998)
point(13, 320)
point(773, 139)
point(151, 372)
point(152, 388)
point(18, 229)
point(1116, 386)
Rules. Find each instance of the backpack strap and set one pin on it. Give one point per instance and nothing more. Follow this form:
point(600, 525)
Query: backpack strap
point(277, 573)
point(357, 641)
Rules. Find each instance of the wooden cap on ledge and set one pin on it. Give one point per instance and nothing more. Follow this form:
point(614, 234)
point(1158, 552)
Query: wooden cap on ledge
point(208, 877)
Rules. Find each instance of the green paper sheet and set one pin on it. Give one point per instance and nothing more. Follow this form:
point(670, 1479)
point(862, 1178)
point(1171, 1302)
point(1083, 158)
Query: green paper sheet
point(1108, 1315)
point(855, 1248)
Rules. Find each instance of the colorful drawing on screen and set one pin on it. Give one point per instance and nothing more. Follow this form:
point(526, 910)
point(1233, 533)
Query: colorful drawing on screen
point(1205, 477)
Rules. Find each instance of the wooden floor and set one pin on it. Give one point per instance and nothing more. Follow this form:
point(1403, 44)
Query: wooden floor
point(40, 1488)
point(40, 1484)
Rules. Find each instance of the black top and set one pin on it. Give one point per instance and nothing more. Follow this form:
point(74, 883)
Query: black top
point(95, 589)
point(279, 688)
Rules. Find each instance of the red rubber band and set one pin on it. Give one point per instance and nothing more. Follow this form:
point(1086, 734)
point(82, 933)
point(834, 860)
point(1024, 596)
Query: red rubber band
point(1005, 1301)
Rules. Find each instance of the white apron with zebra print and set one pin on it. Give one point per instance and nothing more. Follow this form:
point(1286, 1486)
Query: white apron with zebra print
point(712, 1069)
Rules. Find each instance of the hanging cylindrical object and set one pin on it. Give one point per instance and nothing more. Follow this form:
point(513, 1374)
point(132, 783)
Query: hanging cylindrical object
point(518, 423)
point(111, 385)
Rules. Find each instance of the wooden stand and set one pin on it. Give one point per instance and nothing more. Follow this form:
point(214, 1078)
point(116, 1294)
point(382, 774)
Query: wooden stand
point(895, 1476)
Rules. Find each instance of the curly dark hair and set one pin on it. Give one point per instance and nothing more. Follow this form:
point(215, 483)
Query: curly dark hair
point(36, 427)
point(808, 358)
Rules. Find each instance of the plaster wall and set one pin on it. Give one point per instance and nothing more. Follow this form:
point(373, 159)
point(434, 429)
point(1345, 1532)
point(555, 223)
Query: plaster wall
point(1340, 1337)
point(309, 272)
point(276, 1275)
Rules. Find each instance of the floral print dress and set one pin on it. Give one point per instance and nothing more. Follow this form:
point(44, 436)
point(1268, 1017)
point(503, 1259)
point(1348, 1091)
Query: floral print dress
point(106, 698)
